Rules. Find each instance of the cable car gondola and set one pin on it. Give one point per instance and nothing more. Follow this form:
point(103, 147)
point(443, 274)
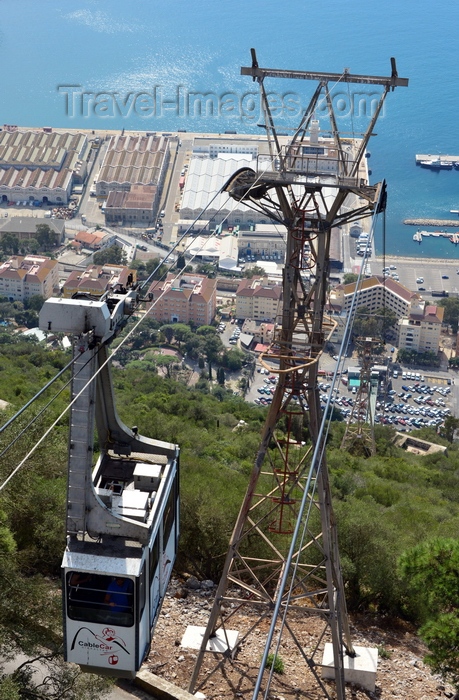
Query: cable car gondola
point(122, 513)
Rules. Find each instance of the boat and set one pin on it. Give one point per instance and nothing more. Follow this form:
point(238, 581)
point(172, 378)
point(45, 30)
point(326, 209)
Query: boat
point(437, 164)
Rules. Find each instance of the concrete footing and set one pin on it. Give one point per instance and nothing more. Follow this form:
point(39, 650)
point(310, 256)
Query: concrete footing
point(360, 669)
point(223, 640)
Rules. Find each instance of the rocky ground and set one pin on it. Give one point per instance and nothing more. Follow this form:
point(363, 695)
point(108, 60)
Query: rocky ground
point(401, 671)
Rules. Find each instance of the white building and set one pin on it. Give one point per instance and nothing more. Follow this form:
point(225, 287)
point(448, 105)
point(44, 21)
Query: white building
point(221, 250)
point(258, 299)
point(420, 330)
point(25, 277)
point(205, 179)
point(374, 293)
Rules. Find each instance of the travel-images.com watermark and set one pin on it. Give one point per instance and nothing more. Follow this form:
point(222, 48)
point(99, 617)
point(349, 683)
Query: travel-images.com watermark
point(247, 107)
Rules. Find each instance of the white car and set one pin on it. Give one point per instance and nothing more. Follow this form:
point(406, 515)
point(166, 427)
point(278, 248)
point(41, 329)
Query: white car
point(420, 280)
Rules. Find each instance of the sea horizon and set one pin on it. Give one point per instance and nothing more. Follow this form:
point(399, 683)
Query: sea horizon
point(150, 60)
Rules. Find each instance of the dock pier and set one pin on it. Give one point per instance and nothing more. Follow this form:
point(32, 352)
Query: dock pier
point(428, 157)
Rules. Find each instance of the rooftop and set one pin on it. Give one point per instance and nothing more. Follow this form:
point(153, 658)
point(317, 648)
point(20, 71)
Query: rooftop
point(134, 160)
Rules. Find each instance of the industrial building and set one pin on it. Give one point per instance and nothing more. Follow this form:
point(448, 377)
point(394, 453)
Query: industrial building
point(41, 167)
point(139, 205)
point(135, 166)
point(25, 227)
point(206, 177)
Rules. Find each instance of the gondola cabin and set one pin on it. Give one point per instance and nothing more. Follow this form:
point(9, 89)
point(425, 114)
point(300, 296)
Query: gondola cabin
point(114, 586)
point(122, 513)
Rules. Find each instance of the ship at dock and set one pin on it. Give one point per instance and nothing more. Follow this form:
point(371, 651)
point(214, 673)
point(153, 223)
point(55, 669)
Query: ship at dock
point(438, 164)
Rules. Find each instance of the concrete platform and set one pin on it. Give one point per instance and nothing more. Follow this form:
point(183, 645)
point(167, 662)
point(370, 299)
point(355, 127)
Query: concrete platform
point(360, 669)
point(160, 689)
point(192, 639)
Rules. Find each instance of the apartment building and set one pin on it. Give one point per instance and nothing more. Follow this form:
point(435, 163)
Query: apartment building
point(374, 293)
point(258, 299)
point(25, 277)
point(183, 299)
point(420, 330)
point(96, 279)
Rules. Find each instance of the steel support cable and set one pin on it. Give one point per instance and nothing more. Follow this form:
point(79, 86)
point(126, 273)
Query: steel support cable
point(313, 471)
point(185, 233)
point(43, 437)
point(181, 272)
point(37, 416)
point(37, 395)
point(126, 337)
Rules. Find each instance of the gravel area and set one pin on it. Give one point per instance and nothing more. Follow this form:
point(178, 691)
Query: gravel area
point(401, 671)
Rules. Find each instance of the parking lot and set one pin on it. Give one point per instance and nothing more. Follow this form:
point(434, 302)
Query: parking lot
point(422, 275)
point(413, 401)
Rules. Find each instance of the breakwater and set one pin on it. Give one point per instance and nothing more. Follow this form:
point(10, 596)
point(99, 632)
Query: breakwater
point(432, 222)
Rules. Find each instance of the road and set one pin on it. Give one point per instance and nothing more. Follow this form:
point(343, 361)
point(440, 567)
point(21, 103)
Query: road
point(124, 690)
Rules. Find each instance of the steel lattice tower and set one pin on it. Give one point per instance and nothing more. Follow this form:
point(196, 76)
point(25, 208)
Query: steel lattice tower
point(283, 555)
point(360, 432)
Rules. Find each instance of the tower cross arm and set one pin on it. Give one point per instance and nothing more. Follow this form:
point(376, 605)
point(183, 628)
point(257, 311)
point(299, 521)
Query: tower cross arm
point(345, 77)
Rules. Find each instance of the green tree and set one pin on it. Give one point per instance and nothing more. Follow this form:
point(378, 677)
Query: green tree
point(211, 347)
point(431, 569)
point(168, 332)
point(450, 425)
point(181, 262)
point(350, 277)
point(140, 268)
point(221, 376)
point(9, 243)
point(206, 269)
point(34, 303)
point(233, 359)
point(114, 255)
point(27, 317)
point(374, 324)
point(255, 271)
point(31, 245)
point(45, 236)
point(182, 333)
point(156, 268)
point(166, 361)
point(451, 316)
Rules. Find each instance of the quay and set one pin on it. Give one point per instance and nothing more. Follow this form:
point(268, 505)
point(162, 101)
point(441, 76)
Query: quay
point(431, 222)
point(419, 235)
point(425, 157)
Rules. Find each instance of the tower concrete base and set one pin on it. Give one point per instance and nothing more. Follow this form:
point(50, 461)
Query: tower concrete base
point(360, 669)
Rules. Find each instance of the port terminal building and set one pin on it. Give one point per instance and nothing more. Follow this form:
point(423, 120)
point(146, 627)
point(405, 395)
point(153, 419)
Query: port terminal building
point(132, 176)
point(41, 167)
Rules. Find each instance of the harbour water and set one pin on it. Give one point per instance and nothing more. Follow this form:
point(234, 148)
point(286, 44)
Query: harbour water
point(151, 59)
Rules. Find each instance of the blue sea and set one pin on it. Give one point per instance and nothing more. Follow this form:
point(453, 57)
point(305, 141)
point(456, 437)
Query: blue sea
point(113, 64)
